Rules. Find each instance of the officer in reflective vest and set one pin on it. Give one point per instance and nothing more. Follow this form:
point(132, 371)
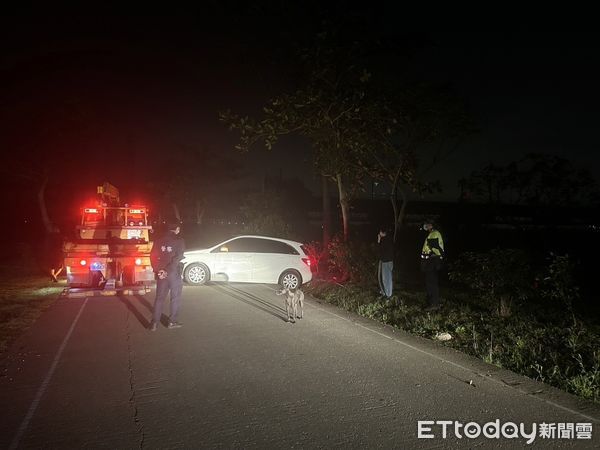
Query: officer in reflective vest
point(432, 255)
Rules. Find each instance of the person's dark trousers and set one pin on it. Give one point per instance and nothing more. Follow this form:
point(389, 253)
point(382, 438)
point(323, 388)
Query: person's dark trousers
point(172, 283)
point(430, 266)
point(432, 286)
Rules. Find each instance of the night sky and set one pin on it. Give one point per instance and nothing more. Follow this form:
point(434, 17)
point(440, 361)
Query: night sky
point(530, 92)
point(106, 87)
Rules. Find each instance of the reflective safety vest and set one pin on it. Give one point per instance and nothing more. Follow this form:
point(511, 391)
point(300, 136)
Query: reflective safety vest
point(434, 245)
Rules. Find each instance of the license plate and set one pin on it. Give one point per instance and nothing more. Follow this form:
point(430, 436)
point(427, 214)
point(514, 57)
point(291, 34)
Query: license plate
point(133, 234)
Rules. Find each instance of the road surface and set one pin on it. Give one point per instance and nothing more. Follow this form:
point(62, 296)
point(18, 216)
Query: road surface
point(89, 374)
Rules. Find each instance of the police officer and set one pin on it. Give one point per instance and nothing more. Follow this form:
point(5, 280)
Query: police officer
point(166, 256)
point(432, 255)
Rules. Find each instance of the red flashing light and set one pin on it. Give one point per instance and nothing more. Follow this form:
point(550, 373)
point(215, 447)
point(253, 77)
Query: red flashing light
point(138, 261)
point(83, 262)
point(136, 211)
point(91, 211)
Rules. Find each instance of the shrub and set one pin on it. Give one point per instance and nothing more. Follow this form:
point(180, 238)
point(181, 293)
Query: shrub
point(352, 261)
point(500, 277)
point(262, 215)
point(546, 350)
point(559, 284)
point(269, 225)
point(315, 252)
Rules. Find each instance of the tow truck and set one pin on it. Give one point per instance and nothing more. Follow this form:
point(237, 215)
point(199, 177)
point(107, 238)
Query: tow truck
point(110, 254)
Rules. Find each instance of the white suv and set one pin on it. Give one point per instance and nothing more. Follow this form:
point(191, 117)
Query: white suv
point(250, 259)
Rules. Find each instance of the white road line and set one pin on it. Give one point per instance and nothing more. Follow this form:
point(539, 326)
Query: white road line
point(500, 382)
point(38, 396)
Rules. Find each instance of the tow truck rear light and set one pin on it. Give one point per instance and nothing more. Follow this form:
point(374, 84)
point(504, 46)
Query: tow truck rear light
point(91, 210)
point(138, 261)
point(136, 211)
point(83, 262)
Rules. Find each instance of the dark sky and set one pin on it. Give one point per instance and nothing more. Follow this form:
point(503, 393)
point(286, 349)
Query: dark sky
point(530, 92)
point(134, 88)
point(139, 88)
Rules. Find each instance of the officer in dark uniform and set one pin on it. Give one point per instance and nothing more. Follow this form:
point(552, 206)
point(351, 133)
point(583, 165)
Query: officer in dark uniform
point(166, 256)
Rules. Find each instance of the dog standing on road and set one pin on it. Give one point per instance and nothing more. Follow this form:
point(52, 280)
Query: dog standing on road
point(292, 299)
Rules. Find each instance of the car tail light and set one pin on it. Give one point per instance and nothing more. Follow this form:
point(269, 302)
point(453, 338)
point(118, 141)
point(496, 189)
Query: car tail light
point(138, 261)
point(83, 262)
point(306, 261)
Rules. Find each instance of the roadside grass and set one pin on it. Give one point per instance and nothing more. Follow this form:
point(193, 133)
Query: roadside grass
point(23, 298)
point(538, 341)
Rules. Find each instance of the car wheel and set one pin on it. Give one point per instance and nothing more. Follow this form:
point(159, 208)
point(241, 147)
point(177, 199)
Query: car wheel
point(290, 279)
point(196, 274)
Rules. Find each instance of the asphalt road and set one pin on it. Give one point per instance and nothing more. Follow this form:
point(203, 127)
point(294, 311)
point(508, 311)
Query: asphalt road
point(89, 374)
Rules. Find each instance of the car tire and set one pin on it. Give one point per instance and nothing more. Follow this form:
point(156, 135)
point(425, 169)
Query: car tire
point(196, 274)
point(290, 279)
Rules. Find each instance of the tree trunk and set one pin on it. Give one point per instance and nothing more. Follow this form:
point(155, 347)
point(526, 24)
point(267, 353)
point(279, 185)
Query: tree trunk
point(344, 205)
point(176, 212)
point(326, 213)
point(398, 213)
point(48, 225)
point(200, 210)
point(52, 247)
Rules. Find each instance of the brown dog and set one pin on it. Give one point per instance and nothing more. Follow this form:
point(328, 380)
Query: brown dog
point(292, 299)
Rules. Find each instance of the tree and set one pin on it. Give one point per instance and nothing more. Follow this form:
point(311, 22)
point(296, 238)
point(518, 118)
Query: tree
point(419, 119)
point(263, 214)
point(37, 153)
point(186, 181)
point(334, 106)
point(326, 109)
point(536, 179)
point(42, 149)
point(358, 128)
point(487, 184)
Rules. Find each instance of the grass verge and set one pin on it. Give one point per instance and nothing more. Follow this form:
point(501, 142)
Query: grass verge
point(540, 343)
point(23, 298)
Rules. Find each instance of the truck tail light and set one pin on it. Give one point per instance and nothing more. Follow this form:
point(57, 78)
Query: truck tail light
point(138, 261)
point(83, 262)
